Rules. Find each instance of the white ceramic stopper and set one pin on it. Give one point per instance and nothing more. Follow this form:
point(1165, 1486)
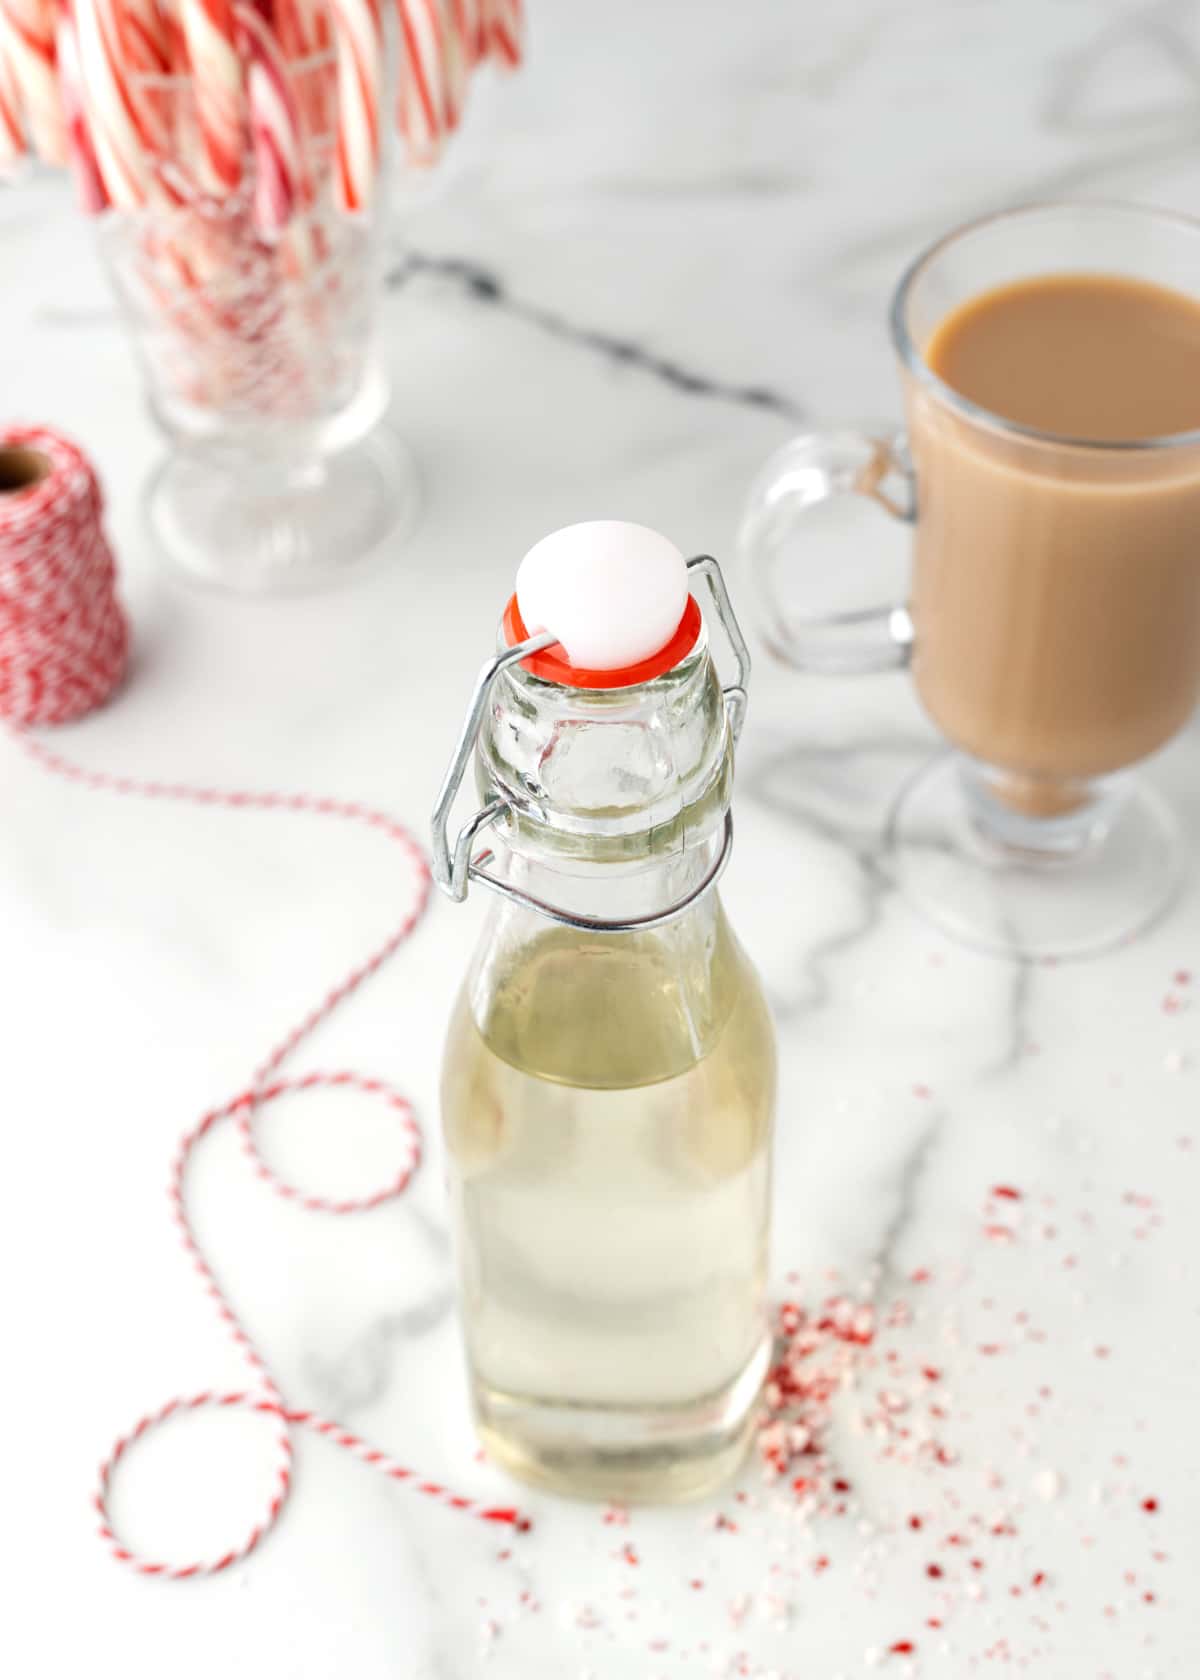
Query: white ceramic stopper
point(612, 593)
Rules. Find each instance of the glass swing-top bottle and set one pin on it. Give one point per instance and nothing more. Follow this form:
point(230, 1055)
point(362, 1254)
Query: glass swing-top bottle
point(608, 1080)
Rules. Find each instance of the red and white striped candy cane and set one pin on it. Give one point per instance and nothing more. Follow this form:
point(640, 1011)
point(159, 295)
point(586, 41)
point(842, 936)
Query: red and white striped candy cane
point(122, 134)
point(458, 64)
point(27, 28)
point(504, 31)
point(358, 41)
point(265, 1398)
point(275, 137)
point(146, 51)
point(175, 45)
point(421, 110)
point(298, 23)
point(210, 35)
point(304, 31)
point(144, 37)
point(466, 20)
point(12, 129)
point(89, 183)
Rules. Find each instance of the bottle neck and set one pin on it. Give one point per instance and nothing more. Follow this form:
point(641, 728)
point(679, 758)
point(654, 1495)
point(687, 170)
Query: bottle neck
point(615, 892)
point(614, 777)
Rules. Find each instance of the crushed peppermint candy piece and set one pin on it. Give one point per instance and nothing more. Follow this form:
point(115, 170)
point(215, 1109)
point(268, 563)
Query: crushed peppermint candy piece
point(1047, 1484)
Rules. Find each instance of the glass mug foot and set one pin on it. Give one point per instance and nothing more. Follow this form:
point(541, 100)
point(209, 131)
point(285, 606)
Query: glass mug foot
point(1029, 871)
point(292, 531)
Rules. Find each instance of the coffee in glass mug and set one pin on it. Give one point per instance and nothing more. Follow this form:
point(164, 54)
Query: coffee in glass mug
point(1050, 361)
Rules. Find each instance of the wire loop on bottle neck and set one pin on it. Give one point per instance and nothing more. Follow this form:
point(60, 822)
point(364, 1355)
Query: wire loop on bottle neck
point(477, 870)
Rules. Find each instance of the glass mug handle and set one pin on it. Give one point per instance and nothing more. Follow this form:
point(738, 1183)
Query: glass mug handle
point(806, 473)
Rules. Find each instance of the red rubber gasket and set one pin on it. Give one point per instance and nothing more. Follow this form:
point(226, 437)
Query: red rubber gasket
point(553, 666)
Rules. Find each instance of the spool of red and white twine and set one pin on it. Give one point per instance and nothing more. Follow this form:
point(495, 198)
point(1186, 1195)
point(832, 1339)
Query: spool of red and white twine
point(64, 641)
point(63, 650)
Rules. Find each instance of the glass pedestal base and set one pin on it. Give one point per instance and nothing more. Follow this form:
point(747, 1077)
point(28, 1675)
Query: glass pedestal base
point(1068, 880)
point(257, 528)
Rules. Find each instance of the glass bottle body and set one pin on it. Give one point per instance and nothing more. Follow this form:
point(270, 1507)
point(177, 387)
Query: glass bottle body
point(608, 1103)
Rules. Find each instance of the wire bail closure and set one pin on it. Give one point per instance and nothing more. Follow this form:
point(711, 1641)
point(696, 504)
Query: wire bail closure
point(454, 867)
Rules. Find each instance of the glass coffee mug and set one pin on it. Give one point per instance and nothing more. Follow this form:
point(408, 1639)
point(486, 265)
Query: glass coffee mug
point(1053, 624)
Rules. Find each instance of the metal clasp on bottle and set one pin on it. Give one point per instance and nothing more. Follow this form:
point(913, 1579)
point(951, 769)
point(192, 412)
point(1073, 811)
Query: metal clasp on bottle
point(455, 867)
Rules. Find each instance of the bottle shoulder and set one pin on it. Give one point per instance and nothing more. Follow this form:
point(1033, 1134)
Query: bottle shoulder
point(528, 1080)
point(612, 1012)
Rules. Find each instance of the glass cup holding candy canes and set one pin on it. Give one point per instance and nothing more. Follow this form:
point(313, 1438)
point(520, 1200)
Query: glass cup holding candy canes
point(256, 344)
point(237, 156)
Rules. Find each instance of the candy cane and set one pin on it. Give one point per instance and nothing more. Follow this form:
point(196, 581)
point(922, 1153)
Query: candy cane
point(358, 39)
point(274, 124)
point(457, 64)
point(143, 26)
point(89, 183)
point(12, 131)
point(146, 51)
point(174, 44)
point(120, 133)
point(27, 32)
point(210, 33)
point(303, 30)
point(422, 97)
point(466, 21)
point(504, 31)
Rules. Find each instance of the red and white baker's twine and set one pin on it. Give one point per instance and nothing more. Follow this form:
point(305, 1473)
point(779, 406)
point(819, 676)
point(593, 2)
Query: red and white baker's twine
point(266, 1398)
point(63, 643)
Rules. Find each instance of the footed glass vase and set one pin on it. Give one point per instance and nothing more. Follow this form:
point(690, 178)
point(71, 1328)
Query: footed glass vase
point(258, 352)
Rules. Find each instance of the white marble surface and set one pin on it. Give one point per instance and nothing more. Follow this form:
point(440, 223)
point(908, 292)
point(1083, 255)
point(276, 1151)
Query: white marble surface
point(731, 193)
